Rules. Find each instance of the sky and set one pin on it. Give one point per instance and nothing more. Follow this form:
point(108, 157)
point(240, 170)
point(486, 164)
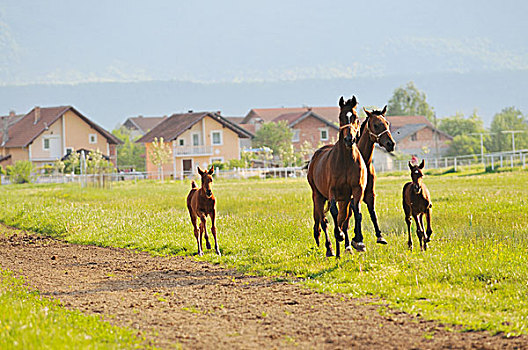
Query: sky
point(68, 42)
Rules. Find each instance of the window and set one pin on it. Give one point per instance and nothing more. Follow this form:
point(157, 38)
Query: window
point(296, 135)
point(69, 150)
point(196, 139)
point(92, 138)
point(46, 144)
point(217, 160)
point(216, 137)
point(414, 137)
point(324, 134)
point(181, 142)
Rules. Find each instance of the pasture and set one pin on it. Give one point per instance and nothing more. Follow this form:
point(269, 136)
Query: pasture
point(474, 272)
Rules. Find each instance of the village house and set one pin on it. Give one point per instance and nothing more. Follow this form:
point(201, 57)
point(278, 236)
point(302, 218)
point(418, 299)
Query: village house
point(140, 125)
point(45, 135)
point(195, 139)
point(416, 135)
point(309, 128)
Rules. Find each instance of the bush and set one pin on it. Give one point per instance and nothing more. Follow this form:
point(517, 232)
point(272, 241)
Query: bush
point(20, 172)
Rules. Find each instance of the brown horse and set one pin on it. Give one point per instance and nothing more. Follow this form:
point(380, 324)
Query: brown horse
point(375, 129)
point(417, 202)
point(201, 202)
point(335, 174)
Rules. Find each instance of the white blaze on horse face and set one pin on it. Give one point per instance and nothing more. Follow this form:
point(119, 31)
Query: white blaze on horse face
point(349, 114)
point(416, 171)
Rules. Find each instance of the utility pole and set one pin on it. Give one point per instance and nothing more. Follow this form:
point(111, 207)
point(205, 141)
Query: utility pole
point(512, 132)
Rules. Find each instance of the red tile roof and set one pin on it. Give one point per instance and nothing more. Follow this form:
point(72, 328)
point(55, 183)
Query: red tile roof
point(268, 114)
point(177, 124)
point(294, 118)
point(23, 132)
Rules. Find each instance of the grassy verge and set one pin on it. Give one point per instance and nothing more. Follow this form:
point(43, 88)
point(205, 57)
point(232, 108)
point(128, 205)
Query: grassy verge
point(473, 274)
point(28, 321)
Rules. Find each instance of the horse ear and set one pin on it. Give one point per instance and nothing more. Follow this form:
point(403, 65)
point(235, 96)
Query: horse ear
point(421, 166)
point(354, 102)
point(211, 171)
point(366, 112)
point(410, 166)
point(200, 171)
point(384, 110)
point(341, 102)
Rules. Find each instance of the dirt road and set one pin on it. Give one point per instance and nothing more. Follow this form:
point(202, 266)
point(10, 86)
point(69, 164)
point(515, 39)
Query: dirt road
point(202, 306)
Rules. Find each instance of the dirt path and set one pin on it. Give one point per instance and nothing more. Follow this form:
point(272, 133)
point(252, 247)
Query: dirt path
point(199, 305)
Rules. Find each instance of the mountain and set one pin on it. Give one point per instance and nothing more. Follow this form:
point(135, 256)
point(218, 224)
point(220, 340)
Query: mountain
point(110, 103)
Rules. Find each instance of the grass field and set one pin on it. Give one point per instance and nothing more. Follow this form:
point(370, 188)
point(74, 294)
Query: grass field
point(475, 272)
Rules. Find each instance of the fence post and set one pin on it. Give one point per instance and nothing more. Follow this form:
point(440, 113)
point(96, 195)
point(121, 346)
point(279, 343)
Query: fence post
point(501, 160)
point(445, 160)
point(492, 163)
point(455, 163)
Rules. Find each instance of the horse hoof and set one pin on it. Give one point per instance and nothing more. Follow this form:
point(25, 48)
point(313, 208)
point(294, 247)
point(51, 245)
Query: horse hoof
point(349, 249)
point(208, 245)
point(381, 240)
point(340, 237)
point(359, 246)
point(218, 252)
point(329, 253)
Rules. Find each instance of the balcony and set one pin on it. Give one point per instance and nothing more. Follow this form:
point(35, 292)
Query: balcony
point(181, 151)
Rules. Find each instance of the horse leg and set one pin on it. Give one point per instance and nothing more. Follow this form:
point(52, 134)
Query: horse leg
point(424, 236)
point(357, 241)
point(337, 232)
point(197, 233)
point(370, 200)
point(407, 211)
point(204, 230)
point(328, 243)
point(344, 218)
point(335, 212)
point(429, 229)
point(419, 229)
point(213, 230)
point(318, 208)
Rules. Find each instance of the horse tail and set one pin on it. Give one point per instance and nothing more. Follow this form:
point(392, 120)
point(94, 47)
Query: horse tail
point(193, 185)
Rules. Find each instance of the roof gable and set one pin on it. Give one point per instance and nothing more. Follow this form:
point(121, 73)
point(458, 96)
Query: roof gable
point(144, 124)
point(27, 129)
point(268, 114)
point(295, 118)
point(177, 124)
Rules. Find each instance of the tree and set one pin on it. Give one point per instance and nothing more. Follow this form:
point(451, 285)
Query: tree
point(130, 153)
point(160, 154)
point(20, 172)
point(409, 100)
point(460, 125)
point(463, 145)
point(461, 129)
point(277, 136)
point(510, 118)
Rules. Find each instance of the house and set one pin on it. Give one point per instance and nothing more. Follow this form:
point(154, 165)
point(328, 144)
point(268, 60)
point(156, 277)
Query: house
point(309, 128)
point(140, 125)
point(195, 138)
point(45, 135)
point(416, 135)
point(263, 115)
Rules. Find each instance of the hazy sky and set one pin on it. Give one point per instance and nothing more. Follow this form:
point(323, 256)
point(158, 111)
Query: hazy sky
point(79, 41)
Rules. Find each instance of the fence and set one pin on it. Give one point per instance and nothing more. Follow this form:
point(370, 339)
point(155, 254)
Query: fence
point(492, 160)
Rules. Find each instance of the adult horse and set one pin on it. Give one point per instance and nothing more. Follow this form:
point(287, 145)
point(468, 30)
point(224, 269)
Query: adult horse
point(375, 129)
point(336, 174)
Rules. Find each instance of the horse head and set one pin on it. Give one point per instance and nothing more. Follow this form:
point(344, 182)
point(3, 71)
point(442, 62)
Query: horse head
point(348, 121)
point(207, 181)
point(379, 129)
point(416, 176)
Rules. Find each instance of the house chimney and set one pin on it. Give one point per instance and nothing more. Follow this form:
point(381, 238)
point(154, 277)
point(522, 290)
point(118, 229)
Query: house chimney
point(5, 130)
point(190, 111)
point(37, 115)
point(12, 114)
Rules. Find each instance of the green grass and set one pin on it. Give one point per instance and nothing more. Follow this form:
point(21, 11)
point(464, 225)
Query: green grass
point(28, 321)
point(474, 274)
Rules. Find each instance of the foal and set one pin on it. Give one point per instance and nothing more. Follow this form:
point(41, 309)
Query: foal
point(201, 202)
point(417, 202)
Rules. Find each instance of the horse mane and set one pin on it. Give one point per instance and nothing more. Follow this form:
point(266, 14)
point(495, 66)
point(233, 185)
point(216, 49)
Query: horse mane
point(361, 129)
